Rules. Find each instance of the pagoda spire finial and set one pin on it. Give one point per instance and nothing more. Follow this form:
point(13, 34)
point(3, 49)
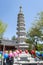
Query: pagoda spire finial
point(20, 8)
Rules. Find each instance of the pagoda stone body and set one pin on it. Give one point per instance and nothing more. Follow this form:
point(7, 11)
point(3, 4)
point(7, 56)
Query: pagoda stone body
point(21, 33)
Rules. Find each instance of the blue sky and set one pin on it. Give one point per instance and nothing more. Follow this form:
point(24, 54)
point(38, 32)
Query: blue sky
point(10, 8)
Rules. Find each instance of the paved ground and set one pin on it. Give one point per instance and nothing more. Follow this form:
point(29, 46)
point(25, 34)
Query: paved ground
point(28, 64)
point(23, 64)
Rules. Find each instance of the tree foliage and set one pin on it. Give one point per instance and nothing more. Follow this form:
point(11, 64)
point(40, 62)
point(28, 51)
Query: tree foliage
point(13, 38)
point(40, 47)
point(37, 29)
point(2, 28)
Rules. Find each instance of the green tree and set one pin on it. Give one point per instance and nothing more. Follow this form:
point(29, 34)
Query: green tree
point(13, 38)
point(37, 29)
point(2, 28)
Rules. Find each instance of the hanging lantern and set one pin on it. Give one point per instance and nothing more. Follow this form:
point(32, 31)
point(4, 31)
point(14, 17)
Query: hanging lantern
point(15, 54)
point(6, 55)
point(1, 52)
point(11, 54)
point(38, 53)
point(0, 56)
point(32, 52)
point(20, 51)
point(26, 51)
point(41, 52)
point(17, 51)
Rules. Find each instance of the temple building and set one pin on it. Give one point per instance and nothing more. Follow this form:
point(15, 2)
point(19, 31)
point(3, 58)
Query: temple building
point(19, 43)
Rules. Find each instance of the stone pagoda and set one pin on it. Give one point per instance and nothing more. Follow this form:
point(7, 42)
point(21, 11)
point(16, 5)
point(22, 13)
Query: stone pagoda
point(21, 33)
